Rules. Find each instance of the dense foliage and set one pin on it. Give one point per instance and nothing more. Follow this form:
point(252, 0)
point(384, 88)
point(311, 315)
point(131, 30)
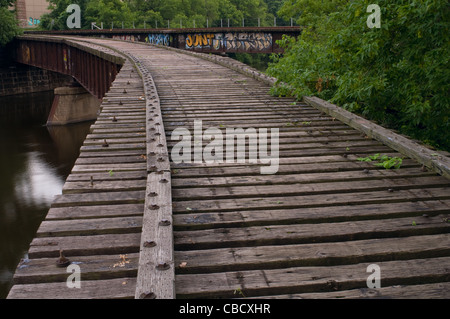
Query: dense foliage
point(159, 12)
point(397, 75)
point(8, 23)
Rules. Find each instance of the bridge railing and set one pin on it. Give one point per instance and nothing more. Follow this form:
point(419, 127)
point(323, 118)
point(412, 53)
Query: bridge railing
point(93, 69)
point(194, 23)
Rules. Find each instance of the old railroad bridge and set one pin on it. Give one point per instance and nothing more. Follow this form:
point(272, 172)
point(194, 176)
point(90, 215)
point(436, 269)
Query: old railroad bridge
point(139, 225)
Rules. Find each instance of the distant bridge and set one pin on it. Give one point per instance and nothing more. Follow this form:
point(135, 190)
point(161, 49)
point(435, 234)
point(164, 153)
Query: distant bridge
point(208, 40)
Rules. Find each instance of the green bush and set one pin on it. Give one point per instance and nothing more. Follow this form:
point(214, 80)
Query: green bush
point(397, 75)
point(8, 24)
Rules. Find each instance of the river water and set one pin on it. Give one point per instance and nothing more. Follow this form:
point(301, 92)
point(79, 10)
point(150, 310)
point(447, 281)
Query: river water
point(34, 164)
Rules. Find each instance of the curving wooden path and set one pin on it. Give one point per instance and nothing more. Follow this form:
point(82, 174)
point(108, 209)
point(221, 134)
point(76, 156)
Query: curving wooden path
point(141, 226)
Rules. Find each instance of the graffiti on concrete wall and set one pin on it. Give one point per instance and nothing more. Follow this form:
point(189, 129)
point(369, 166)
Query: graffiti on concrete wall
point(159, 39)
point(202, 40)
point(248, 41)
point(33, 21)
point(231, 41)
point(132, 38)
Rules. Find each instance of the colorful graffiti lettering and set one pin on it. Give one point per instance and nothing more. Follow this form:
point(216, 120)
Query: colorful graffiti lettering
point(159, 39)
point(248, 41)
point(199, 40)
point(65, 59)
point(32, 21)
point(214, 40)
point(255, 41)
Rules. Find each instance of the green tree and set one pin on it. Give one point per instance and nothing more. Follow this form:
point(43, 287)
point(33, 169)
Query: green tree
point(110, 11)
point(273, 6)
point(8, 23)
point(251, 9)
point(57, 18)
point(156, 12)
point(310, 13)
point(228, 10)
point(6, 3)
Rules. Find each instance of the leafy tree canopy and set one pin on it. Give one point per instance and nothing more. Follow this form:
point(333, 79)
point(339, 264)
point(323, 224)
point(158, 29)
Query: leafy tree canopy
point(6, 3)
point(159, 11)
point(57, 18)
point(8, 23)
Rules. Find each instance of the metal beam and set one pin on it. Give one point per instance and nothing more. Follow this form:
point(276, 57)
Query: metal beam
point(94, 70)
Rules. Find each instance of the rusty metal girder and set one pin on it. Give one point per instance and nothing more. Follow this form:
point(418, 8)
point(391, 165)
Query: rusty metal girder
point(94, 70)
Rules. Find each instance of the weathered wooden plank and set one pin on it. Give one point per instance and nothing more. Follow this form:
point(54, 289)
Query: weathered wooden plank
point(112, 141)
point(306, 201)
point(98, 211)
point(171, 111)
point(122, 288)
point(428, 291)
point(342, 145)
point(111, 198)
point(85, 245)
point(306, 189)
point(156, 274)
point(92, 186)
point(109, 113)
point(88, 227)
point(111, 160)
point(211, 116)
point(341, 158)
point(115, 135)
point(282, 256)
point(107, 129)
point(310, 233)
point(297, 282)
point(247, 122)
point(43, 270)
point(217, 181)
point(239, 170)
point(111, 147)
point(111, 167)
point(305, 140)
point(117, 127)
point(108, 154)
point(361, 151)
point(108, 175)
point(122, 122)
point(311, 215)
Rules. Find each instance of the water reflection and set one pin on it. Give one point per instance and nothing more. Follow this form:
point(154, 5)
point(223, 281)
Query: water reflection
point(34, 163)
point(37, 184)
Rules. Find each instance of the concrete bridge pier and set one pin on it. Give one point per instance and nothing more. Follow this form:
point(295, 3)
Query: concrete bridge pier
point(73, 104)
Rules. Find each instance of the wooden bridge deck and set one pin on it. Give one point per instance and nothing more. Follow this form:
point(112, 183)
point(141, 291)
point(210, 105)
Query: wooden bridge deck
point(309, 231)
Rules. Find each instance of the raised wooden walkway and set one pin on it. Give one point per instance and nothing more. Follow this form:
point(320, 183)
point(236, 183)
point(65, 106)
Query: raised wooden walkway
point(309, 231)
